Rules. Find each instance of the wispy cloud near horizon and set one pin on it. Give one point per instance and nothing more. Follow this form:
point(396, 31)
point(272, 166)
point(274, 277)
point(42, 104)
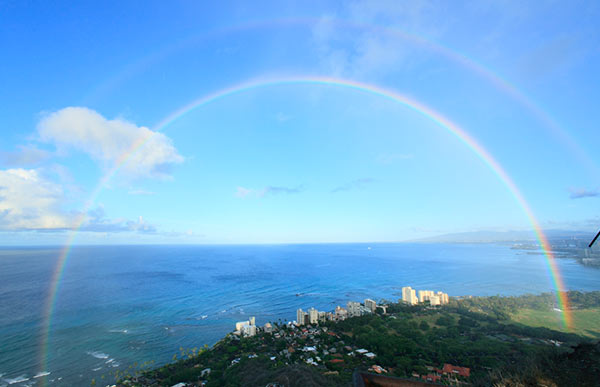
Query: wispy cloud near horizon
point(580, 193)
point(30, 201)
point(97, 222)
point(243, 192)
point(354, 184)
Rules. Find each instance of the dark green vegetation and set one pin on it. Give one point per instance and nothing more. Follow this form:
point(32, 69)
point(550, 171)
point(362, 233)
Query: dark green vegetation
point(579, 366)
point(539, 311)
point(478, 333)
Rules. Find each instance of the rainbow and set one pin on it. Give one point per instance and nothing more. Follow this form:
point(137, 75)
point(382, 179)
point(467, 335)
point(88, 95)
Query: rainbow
point(64, 254)
point(445, 51)
point(409, 102)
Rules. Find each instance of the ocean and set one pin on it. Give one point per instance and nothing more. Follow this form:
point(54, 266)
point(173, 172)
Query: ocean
point(120, 305)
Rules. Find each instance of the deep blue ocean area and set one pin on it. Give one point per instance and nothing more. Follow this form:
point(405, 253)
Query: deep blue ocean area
point(123, 304)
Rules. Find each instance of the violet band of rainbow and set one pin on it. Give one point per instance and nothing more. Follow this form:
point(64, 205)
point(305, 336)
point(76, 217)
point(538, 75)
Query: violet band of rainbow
point(439, 119)
point(452, 54)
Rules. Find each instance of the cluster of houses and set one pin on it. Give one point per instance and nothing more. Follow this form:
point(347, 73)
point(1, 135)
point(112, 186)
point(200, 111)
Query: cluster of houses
point(304, 338)
point(313, 349)
point(448, 372)
point(307, 344)
point(353, 309)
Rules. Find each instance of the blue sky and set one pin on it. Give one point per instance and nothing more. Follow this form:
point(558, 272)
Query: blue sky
point(83, 83)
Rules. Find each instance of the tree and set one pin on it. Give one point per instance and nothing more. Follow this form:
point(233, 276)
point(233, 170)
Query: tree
point(444, 321)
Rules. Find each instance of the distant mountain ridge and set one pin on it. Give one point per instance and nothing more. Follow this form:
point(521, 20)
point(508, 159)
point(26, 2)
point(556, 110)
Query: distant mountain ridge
point(504, 236)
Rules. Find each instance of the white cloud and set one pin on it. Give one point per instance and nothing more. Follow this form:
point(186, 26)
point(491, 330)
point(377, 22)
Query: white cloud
point(373, 48)
point(580, 193)
point(27, 155)
point(354, 184)
point(143, 152)
point(28, 201)
point(97, 222)
point(242, 192)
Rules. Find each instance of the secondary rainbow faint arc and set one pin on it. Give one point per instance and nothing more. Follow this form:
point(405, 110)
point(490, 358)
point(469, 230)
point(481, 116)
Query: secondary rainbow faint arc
point(411, 103)
point(445, 51)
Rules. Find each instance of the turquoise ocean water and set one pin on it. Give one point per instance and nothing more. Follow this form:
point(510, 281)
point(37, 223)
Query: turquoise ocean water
point(123, 304)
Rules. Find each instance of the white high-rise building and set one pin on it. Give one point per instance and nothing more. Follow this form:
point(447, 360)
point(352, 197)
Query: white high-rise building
point(340, 313)
point(443, 297)
point(300, 317)
point(353, 308)
point(246, 328)
point(239, 325)
point(313, 316)
point(371, 305)
point(424, 295)
point(409, 295)
point(322, 316)
point(249, 330)
point(415, 299)
point(434, 300)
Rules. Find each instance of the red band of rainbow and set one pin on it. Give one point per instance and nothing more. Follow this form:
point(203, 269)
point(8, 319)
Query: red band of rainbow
point(411, 103)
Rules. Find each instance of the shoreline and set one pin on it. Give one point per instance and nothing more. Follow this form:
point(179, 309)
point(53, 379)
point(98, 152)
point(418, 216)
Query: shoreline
point(299, 350)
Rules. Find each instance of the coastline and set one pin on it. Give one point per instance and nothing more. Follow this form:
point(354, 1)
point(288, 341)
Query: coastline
point(170, 288)
point(332, 350)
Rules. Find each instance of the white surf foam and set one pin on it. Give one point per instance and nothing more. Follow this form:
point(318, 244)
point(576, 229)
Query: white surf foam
point(18, 379)
point(119, 331)
point(97, 355)
point(41, 373)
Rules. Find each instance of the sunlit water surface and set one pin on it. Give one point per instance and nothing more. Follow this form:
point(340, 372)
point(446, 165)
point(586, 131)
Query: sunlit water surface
point(120, 305)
